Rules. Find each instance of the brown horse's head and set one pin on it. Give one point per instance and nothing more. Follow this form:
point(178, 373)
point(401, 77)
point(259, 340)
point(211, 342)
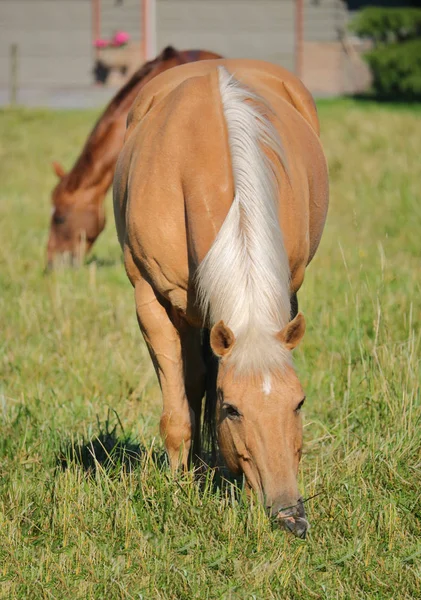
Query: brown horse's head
point(77, 219)
point(259, 426)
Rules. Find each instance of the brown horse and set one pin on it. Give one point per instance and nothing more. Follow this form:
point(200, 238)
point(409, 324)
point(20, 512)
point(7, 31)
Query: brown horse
point(78, 215)
point(220, 199)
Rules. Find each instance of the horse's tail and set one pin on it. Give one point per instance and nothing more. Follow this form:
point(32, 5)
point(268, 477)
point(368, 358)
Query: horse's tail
point(244, 278)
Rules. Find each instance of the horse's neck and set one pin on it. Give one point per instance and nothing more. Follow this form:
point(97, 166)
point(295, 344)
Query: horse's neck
point(105, 180)
point(97, 162)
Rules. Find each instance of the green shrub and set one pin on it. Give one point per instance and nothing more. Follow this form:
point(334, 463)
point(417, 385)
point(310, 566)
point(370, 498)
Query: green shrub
point(387, 25)
point(395, 61)
point(396, 69)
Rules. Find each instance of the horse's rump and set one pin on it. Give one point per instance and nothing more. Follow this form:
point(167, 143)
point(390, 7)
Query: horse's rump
point(184, 178)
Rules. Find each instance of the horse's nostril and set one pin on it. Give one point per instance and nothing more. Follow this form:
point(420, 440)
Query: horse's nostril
point(297, 525)
point(294, 519)
point(287, 522)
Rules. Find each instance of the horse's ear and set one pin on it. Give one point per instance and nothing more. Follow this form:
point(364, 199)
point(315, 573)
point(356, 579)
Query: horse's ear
point(221, 339)
point(58, 170)
point(291, 335)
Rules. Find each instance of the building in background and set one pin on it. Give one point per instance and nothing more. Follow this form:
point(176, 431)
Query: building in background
point(57, 54)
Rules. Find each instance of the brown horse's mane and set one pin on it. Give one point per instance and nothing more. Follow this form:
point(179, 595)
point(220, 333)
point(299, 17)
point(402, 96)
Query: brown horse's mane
point(83, 169)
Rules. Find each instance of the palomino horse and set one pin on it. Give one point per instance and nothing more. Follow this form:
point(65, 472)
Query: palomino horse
point(78, 215)
point(220, 199)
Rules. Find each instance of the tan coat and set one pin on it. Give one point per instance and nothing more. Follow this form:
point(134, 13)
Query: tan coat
point(177, 153)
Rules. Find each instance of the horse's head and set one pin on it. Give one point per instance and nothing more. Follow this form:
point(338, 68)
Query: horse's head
point(77, 219)
point(259, 426)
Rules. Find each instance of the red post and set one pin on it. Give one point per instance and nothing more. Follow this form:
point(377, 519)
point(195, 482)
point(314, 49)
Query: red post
point(148, 29)
point(299, 35)
point(144, 27)
point(96, 22)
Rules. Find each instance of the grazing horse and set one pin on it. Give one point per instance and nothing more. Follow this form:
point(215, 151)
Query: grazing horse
point(220, 199)
point(78, 215)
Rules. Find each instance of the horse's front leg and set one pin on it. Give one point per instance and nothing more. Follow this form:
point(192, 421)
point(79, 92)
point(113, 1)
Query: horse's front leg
point(195, 380)
point(294, 306)
point(164, 343)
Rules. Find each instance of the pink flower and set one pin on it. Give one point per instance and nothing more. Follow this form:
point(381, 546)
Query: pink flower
point(100, 43)
point(120, 38)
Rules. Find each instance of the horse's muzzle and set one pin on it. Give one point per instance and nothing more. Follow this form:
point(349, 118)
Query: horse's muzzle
point(294, 519)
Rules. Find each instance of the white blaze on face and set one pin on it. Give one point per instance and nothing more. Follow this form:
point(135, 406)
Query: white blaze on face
point(267, 384)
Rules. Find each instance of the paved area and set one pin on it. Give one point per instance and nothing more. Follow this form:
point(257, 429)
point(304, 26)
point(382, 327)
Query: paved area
point(75, 97)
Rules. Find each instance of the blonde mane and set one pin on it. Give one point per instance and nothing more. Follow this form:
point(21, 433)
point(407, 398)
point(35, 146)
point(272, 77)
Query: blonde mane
point(244, 278)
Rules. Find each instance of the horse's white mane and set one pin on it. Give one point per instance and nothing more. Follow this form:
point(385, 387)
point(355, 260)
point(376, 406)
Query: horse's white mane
point(244, 278)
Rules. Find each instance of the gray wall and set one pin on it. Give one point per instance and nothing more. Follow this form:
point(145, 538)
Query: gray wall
point(235, 28)
point(262, 29)
point(125, 16)
point(54, 38)
point(324, 20)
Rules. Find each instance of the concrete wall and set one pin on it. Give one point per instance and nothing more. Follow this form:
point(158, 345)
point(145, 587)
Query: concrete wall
point(123, 16)
point(262, 29)
point(55, 36)
point(54, 39)
point(235, 28)
point(324, 20)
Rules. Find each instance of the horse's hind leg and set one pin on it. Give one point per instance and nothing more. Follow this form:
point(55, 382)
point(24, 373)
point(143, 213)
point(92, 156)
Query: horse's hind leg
point(164, 343)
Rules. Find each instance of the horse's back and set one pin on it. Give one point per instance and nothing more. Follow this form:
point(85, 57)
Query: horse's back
point(269, 80)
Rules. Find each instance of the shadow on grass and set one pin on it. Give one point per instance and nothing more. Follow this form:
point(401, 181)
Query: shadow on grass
point(107, 451)
point(113, 451)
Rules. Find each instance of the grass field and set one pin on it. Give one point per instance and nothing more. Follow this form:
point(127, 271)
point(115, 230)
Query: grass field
point(71, 351)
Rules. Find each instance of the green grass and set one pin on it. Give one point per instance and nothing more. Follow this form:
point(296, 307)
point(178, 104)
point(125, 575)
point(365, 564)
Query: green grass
point(70, 351)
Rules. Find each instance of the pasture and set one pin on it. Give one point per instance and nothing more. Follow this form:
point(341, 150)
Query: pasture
point(72, 357)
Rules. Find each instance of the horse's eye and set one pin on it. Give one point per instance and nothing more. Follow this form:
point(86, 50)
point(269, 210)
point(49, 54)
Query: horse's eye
point(231, 411)
point(299, 405)
point(58, 219)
